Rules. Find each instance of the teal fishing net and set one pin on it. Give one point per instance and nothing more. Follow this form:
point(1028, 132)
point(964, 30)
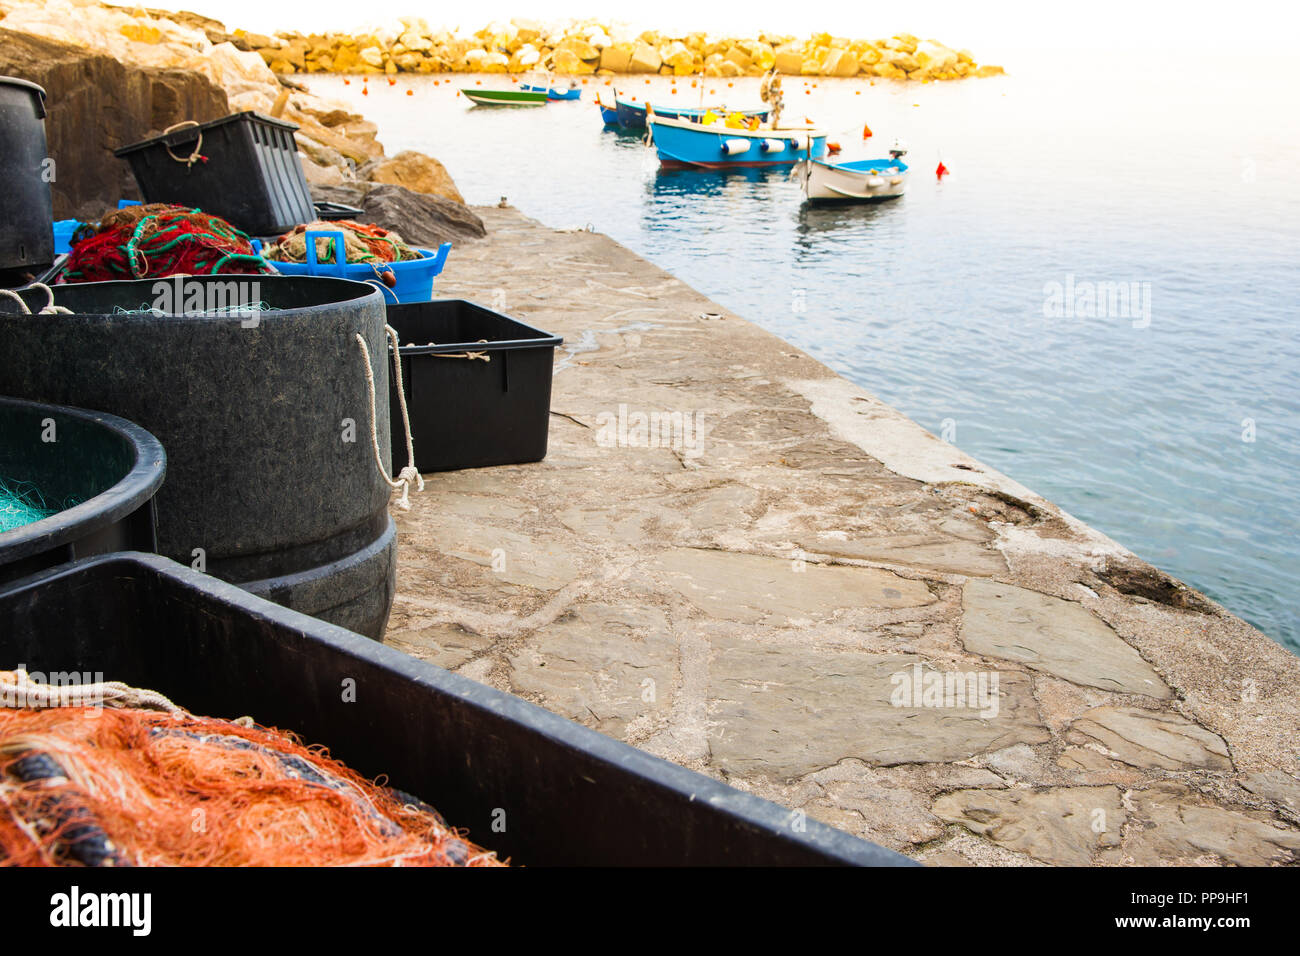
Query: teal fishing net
point(20, 504)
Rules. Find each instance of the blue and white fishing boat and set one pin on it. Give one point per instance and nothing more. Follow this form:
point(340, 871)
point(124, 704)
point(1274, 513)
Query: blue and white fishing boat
point(632, 114)
point(574, 92)
point(683, 142)
point(862, 180)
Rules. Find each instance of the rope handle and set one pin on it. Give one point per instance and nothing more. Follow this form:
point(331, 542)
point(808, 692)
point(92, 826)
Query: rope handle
point(49, 309)
point(194, 157)
point(410, 473)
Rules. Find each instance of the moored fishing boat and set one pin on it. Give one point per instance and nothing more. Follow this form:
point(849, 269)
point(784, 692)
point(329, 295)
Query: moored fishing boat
point(862, 180)
point(572, 93)
point(631, 114)
point(608, 114)
point(505, 97)
point(684, 142)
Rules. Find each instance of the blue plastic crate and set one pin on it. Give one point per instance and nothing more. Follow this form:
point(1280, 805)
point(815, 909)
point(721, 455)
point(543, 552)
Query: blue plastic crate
point(414, 277)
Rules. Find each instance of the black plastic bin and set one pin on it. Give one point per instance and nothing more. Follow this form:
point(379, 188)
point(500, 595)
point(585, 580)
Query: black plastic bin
point(26, 206)
point(247, 172)
point(569, 794)
point(109, 468)
point(470, 412)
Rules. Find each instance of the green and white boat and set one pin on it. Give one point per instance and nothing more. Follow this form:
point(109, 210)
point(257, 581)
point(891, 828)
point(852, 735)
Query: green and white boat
point(505, 97)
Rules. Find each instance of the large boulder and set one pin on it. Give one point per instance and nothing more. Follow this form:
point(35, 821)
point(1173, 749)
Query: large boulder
point(415, 171)
point(97, 103)
point(677, 56)
point(789, 60)
point(839, 63)
point(419, 218)
point(616, 58)
point(645, 59)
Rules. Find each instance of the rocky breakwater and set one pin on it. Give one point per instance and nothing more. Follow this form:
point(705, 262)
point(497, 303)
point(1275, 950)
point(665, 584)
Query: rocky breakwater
point(589, 47)
point(114, 75)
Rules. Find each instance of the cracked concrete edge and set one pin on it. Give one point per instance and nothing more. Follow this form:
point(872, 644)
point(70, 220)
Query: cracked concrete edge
point(904, 447)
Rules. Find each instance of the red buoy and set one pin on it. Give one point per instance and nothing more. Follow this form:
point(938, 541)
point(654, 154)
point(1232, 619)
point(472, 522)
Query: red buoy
point(941, 171)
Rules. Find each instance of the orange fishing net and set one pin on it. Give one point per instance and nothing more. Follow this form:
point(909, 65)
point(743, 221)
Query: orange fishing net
point(132, 787)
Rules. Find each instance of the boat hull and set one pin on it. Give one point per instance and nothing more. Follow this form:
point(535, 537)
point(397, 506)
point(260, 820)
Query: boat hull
point(683, 143)
point(505, 97)
point(553, 94)
point(872, 181)
point(633, 115)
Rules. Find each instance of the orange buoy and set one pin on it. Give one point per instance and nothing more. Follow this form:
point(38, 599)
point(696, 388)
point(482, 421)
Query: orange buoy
point(731, 84)
point(478, 82)
point(584, 81)
point(346, 81)
point(832, 148)
point(866, 132)
point(410, 92)
point(857, 92)
point(391, 81)
point(807, 92)
point(365, 91)
point(647, 82)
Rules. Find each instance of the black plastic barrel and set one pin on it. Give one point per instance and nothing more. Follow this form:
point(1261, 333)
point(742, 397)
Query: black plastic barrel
point(271, 482)
point(570, 795)
point(99, 471)
point(26, 205)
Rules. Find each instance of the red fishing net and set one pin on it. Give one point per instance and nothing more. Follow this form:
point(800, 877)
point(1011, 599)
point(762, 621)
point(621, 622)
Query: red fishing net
point(133, 787)
point(159, 240)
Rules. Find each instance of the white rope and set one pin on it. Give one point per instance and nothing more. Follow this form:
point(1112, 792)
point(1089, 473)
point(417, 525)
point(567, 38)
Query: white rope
point(19, 690)
point(49, 309)
point(194, 156)
point(410, 474)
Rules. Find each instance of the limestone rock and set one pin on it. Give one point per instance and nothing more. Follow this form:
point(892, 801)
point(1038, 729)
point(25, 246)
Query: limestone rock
point(1144, 738)
point(789, 61)
point(416, 172)
point(645, 59)
point(1049, 634)
point(935, 57)
point(97, 103)
point(752, 588)
point(677, 56)
point(839, 63)
point(1180, 827)
point(785, 711)
point(372, 55)
point(579, 672)
point(580, 48)
point(1063, 826)
point(567, 63)
point(1275, 785)
point(616, 58)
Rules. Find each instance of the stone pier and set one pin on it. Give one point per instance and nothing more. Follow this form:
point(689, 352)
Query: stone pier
point(739, 561)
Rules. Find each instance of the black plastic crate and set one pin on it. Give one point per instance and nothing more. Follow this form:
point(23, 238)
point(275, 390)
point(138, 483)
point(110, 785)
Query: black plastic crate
point(332, 211)
point(571, 796)
point(247, 172)
point(478, 386)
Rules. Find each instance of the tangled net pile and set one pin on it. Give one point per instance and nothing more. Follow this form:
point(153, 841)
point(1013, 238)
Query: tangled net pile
point(362, 243)
point(159, 240)
point(20, 505)
point(139, 787)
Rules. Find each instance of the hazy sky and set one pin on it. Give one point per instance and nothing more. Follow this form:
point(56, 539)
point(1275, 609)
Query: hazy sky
point(1234, 27)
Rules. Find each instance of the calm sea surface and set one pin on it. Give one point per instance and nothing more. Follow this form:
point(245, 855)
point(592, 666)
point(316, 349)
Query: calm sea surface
point(1173, 427)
